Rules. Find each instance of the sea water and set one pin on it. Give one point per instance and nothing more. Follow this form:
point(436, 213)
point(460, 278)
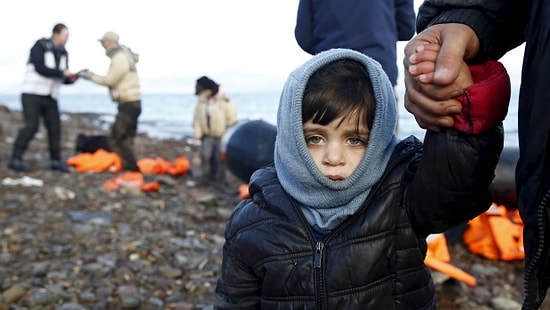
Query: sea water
point(169, 116)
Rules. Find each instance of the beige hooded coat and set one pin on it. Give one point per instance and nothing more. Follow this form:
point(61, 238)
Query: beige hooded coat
point(122, 78)
point(222, 113)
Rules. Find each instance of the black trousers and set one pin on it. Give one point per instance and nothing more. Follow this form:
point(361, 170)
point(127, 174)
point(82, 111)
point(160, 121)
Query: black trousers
point(34, 107)
point(123, 132)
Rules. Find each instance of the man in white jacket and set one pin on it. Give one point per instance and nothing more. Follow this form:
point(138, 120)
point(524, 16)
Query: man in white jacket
point(47, 70)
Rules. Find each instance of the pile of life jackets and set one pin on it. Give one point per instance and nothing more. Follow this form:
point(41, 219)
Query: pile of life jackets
point(105, 161)
point(98, 161)
point(496, 234)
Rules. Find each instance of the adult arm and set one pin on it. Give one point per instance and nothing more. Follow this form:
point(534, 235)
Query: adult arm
point(499, 25)
point(69, 77)
point(36, 57)
point(118, 68)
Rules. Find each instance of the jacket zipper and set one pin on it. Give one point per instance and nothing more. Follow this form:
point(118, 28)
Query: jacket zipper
point(320, 297)
point(319, 287)
point(529, 268)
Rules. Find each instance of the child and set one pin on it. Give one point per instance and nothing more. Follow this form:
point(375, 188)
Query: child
point(340, 220)
point(214, 114)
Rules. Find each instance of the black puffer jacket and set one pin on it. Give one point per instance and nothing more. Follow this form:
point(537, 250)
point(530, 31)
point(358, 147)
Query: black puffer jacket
point(373, 260)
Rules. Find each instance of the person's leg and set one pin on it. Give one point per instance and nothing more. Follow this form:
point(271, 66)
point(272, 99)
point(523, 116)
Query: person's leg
point(31, 105)
point(206, 151)
point(52, 121)
point(214, 157)
point(220, 164)
point(123, 132)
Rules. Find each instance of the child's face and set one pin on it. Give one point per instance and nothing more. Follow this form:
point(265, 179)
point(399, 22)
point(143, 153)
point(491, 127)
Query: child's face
point(336, 148)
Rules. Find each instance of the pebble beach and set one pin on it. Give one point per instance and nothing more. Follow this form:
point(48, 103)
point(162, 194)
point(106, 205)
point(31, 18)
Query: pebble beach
point(70, 244)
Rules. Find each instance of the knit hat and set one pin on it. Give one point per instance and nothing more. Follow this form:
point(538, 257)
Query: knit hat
point(206, 83)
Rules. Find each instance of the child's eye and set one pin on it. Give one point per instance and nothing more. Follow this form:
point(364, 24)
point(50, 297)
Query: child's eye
point(357, 141)
point(314, 140)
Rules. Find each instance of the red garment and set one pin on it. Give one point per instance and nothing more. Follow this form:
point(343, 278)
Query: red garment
point(485, 103)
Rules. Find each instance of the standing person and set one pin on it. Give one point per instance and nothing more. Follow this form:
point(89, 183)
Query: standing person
point(214, 114)
point(124, 88)
point(47, 70)
point(341, 218)
point(473, 31)
point(370, 27)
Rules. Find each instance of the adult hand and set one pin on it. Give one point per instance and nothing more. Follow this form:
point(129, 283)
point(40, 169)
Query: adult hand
point(433, 68)
point(85, 74)
point(70, 76)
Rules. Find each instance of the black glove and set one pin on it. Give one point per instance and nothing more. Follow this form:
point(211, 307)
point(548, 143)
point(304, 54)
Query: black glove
point(85, 74)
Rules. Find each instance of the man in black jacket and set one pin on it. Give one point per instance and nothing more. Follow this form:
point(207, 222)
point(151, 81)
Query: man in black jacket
point(472, 31)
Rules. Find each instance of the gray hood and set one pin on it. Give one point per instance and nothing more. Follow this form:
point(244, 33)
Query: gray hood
point(326, 202)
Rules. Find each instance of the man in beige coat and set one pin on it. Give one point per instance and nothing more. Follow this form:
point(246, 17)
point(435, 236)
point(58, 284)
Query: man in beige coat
point(124, 88)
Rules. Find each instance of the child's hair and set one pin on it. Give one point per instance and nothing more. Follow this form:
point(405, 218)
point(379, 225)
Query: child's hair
point(339, 88)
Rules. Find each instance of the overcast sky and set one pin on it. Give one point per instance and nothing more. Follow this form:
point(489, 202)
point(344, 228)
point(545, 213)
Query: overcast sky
point(243, 42)
point(174, 38)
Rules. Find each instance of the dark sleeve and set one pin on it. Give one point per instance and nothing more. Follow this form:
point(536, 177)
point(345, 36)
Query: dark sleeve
point(452, 183)
point(37, 59)
point(499, 25)
point(405, 19)
point(304, 26)
point(237, 286)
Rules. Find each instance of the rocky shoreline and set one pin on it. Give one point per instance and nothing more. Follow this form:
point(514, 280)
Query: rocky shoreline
point(69, 244)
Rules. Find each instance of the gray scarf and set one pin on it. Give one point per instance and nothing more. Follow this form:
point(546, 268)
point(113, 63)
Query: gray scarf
point(326, 203)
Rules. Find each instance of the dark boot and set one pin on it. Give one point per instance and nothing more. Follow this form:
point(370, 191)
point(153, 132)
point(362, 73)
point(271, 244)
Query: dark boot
point(58, 165)
point(18, 165)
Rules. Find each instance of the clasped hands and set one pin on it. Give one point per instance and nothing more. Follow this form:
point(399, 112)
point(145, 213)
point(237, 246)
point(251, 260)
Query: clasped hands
point(85, 74)
point(442, 90)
